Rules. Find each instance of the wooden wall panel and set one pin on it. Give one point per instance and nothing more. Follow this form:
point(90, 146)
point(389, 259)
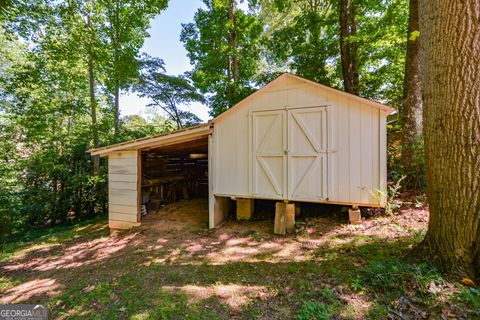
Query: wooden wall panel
point(356, 142)
point(355, 152)
point(123, 189)
point(383, 155)
point(122, 177)
point(376, 155)
point(116, 161)
point(343, 150)
point(366, 154)
point(122, 169)
point(132, 210)
point(122, 217)
point(122, 185)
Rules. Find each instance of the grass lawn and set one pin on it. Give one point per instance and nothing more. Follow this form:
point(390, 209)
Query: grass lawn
point(160, 270)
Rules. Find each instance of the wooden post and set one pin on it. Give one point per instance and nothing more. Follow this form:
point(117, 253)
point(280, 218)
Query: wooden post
point(244, 209)
point(290, 217)
point(354, 215)
point(139, 185)
point(284, 218)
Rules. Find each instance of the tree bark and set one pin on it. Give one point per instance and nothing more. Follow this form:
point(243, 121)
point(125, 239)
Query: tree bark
point(233, 40)
point(229, 82)
point(411, 111)
point(348, 48)
point(116, 68)
point(116, 121)
point(91, 79)
point(232, 59)
point(451, 89)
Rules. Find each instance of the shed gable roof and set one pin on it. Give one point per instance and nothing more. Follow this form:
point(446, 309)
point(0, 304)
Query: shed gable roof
point(279, 79)
point(177, 136)
point(204, 129)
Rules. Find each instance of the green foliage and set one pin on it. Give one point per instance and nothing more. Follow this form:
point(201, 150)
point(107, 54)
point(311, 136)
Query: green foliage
point(168, 92)
point(470, 297)
point(319, 310)
point(394, 277)
point(414, 35)
point(210, 51)
point(135, 126)
point(393, 203)
point(46, 121)
point(414, 178)
point(313, 310)
point(302, 36)
point(125, 30)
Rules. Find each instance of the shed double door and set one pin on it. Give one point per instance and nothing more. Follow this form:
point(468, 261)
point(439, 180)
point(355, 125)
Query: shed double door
point(289, 154)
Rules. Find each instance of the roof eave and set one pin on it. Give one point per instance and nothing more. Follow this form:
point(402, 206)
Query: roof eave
point(203, 129)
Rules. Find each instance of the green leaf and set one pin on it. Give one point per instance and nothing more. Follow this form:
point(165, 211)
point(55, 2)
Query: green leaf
point(414, 35)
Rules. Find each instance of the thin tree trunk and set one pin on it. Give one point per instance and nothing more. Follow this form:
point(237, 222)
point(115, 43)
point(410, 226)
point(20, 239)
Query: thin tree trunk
point(177, 118)
point(348, 49)
point(229, 82)
point(116, 124)
point(449, 33)
point(91, 79)
point(233, 40)
point(411, 111)
point(116, 67)
point(353, 48)
point(232, 58)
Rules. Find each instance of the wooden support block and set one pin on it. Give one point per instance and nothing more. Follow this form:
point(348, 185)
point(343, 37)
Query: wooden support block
point(279, 225)
point(221, 210)
point(244, 209)
point(290, 217)
point(355, 216)
point(284, 218)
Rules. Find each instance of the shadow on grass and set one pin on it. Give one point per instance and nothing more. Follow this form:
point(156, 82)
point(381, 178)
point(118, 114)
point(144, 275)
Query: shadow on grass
point(223, 274)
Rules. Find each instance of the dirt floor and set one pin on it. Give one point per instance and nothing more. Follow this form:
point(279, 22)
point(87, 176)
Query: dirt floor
point(173, 267)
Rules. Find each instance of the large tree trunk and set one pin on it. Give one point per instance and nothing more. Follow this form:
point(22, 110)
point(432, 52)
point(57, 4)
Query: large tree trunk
point(91, 79)
point(451, 89)
point(411, 111)
point(348, 48)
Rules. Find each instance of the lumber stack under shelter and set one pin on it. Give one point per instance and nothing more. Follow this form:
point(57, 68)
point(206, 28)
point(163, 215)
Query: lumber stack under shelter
point(168, 178)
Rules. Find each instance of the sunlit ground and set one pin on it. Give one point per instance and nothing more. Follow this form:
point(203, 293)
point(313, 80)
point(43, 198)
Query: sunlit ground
point(172, 267)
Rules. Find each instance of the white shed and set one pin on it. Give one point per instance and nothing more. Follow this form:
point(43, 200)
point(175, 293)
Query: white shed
point(293, 140)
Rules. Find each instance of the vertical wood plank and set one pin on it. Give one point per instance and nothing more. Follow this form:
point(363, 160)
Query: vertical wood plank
point(139, 185)
point(383, 155)
point(343, 154)
point(355, 153)
point(366, 153)
point(375, 155)
point(211, 179)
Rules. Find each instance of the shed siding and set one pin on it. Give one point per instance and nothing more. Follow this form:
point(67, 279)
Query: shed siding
point(123, 171)
point(356, 162)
